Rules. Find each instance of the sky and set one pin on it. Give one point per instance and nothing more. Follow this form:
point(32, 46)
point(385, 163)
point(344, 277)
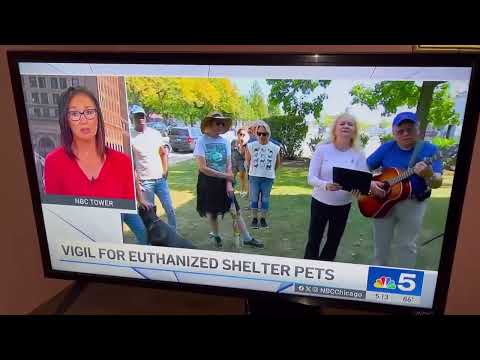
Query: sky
point(338, 98)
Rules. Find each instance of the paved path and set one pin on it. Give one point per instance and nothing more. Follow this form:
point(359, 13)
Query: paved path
point(175, 157)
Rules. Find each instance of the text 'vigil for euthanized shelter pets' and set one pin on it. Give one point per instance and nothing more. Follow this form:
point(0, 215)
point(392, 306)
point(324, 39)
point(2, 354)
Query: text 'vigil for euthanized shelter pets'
point(225, 264)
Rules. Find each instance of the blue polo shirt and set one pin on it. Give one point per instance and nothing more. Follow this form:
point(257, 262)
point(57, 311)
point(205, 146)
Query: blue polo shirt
point(391, 155)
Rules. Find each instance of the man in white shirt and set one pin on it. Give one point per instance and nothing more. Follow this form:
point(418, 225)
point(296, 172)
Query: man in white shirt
point(151, 163)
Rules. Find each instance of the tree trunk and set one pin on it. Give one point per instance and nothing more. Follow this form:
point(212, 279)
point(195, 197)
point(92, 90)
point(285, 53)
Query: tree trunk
point(450, 131)
point(424, 103)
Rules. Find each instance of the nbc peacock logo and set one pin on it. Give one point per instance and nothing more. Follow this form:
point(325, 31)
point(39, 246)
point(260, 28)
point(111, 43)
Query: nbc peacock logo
point(385, 282)
point(395, 281)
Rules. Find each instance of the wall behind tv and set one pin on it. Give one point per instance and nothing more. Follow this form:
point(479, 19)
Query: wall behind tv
point(23, 287)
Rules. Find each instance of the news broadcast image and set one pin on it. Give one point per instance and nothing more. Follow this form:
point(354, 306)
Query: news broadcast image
point(223, 175)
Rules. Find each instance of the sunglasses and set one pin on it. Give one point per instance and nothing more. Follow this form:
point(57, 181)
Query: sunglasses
point(220, 123)
point(262, 134)
point(242, 135)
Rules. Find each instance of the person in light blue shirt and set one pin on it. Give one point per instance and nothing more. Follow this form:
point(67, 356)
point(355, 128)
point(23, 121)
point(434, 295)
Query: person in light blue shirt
point(215, 195)
point(406, 217)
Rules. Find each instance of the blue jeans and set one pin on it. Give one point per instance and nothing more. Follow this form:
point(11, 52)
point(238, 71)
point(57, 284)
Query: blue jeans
point(159, 187)
point(135, 223)
point(260, 185)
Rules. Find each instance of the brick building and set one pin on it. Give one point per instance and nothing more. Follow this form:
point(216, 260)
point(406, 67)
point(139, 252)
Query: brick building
point(42, 93)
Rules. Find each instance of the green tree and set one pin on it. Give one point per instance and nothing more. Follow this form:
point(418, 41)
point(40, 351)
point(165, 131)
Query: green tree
point(290, 130)
point(155, 94)
point(257, 102)
point(229, 101)
point(432, 100)
point(198, 96)
point(187, 99)
point(245, 110)
point(389, 94)
point(442, 111)
point(274, 109)
point(293, 96)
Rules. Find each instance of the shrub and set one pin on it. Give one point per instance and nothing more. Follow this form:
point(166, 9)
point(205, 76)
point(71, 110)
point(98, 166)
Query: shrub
point(290, 131)
point(364, 139)
point(386, 138)
point(448, 149)
point(314, 142)
point(443, 143)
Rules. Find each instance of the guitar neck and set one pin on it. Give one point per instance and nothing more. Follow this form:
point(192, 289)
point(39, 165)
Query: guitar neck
point(404, 175)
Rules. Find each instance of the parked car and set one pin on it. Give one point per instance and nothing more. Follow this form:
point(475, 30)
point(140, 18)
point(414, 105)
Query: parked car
point(184, 138)
point(165, 139)
point(157, 126)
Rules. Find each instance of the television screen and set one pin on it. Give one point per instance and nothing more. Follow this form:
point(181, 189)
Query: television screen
point(221, 173)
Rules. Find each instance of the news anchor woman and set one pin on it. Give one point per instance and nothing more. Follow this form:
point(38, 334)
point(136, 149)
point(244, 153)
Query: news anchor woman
point(83, 165)
point(330, 204)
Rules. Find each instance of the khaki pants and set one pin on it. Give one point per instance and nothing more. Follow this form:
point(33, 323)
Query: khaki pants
point(406, 218)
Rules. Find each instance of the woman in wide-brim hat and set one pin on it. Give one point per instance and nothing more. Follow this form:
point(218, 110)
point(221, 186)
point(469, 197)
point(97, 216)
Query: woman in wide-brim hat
point(214, 187)
point(216, 116)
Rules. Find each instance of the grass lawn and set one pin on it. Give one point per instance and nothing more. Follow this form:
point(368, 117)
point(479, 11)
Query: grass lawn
point(289, 219)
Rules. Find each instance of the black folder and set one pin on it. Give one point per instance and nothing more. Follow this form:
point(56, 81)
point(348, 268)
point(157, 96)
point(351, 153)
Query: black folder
point(352, 179)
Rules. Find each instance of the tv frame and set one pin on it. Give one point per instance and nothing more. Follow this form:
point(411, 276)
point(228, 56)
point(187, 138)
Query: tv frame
point(459, 185)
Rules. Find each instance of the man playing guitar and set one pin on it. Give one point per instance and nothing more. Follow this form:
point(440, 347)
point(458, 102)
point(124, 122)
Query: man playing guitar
point(406, 216)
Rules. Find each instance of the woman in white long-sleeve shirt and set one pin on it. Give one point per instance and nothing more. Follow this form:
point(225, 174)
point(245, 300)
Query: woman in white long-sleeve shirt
point(330, 204)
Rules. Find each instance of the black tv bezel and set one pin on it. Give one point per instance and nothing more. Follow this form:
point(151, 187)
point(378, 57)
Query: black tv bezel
point(459, 185)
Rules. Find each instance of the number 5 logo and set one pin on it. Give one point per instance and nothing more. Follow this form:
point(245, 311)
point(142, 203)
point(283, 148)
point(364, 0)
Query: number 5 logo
point(406, 282)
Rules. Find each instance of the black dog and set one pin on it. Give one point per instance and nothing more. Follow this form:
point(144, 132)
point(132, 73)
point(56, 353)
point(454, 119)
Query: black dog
point(160, 233)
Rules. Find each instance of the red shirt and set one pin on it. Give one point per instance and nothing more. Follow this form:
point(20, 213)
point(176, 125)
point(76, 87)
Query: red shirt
point(63, 176)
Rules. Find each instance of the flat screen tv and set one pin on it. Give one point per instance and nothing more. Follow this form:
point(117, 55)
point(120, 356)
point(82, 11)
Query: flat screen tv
point(213, 173)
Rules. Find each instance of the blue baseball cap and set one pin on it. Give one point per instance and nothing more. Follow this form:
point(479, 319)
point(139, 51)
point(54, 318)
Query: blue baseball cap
point(404, 116)
point(136, 109)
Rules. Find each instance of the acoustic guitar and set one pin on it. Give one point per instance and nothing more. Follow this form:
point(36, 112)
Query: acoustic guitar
point(397, 187)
